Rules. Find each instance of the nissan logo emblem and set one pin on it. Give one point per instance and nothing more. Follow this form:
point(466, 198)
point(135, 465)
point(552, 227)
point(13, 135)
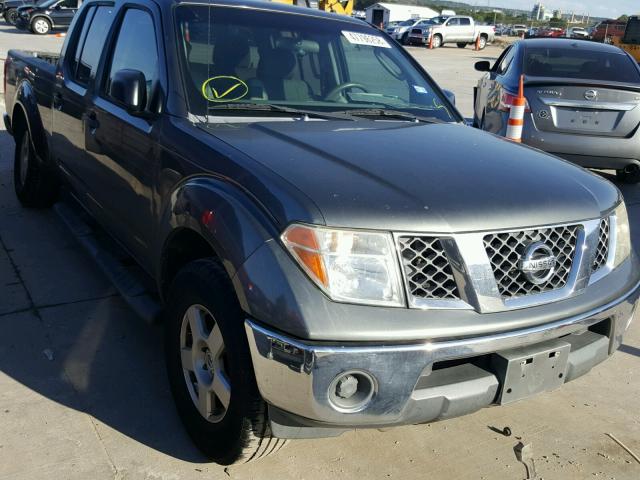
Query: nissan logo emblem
point(538, 264)
point(591, 95)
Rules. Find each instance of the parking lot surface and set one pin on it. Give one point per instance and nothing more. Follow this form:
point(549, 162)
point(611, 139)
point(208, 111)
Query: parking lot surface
point(83, 392)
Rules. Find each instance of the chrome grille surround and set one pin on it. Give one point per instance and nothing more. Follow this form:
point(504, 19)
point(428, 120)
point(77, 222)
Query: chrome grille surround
point(478, 288)
point(602, 252)
point(505, 250)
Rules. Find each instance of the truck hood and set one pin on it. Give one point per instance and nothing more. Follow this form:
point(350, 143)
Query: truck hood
point(405, 176)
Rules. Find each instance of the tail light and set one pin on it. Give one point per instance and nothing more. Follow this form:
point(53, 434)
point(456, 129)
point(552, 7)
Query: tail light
point(507, 100)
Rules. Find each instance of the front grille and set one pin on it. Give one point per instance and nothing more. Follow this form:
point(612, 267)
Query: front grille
point(602, 251)
point(505, 250)
point(426, 268)
point(416, 31)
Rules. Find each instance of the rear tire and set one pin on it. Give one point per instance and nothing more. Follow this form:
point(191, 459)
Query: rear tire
point(629, 175)
point(482, 44)
point(40, 26)
point(11, 16)
point(36, 185)
point(238, 432)
point(461, 45)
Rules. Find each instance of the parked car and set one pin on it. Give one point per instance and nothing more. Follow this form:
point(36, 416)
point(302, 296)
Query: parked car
point(9, 9)
point(47, 15)
point(333, 246)
point(577, 32)
point(552, 32)
point(582, 101)
point(518, 30)
point(401, 31)
point(532, 32)
point(460, 30)
point(607, 30)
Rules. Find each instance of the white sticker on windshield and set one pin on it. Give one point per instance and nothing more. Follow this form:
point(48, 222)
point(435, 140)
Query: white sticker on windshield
point(420, 89)
point(357, 38)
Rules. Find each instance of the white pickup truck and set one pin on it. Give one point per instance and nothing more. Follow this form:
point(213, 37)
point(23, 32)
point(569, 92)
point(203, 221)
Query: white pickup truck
point(460, 30)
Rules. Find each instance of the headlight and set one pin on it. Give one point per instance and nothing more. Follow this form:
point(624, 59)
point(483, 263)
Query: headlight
point(349, 266)
point(623, 237)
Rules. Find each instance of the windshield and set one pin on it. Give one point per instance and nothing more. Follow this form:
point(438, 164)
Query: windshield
point(233, 57)
point(583, 64)
point(47, 3)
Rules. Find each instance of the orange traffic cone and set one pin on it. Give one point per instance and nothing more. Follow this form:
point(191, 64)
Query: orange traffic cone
point(516, 115)
point(431, 41)
point(477, 47)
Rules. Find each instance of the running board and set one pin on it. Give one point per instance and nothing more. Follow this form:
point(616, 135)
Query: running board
point(119, 268)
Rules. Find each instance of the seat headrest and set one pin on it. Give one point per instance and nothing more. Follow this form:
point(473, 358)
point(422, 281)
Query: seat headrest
point(278, 63)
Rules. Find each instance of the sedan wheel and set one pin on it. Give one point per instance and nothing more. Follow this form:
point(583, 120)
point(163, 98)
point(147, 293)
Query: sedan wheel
point(204, 363)
point(41, 26)
point(11, 16)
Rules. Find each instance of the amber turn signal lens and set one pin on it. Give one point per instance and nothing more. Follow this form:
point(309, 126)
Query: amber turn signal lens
point(303, 243)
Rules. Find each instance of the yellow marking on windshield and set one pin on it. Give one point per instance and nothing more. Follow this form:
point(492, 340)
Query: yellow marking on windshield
point(227, 85)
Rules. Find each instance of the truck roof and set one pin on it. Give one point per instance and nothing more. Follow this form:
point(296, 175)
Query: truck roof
point(265, 5)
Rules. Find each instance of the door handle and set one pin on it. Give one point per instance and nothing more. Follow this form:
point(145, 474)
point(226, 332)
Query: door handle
point(92, 122)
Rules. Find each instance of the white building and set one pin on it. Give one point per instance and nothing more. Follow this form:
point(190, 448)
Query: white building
point(391, 12)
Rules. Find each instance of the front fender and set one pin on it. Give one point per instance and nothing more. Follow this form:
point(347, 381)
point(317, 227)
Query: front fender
point(226, 217)
point(26, 99)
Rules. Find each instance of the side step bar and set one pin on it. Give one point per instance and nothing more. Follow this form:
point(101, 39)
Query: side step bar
point(111, 260)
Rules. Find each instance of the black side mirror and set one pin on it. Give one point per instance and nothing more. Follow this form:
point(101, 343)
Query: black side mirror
point(450, 96)
point(483, 66)
point(129, 87)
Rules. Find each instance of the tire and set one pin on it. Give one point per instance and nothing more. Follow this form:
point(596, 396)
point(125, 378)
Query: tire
point(483, 42)
point(630, 174)
point(437, 41)
point(461, 45)
point(201, 299)
point(40, 26)
point(35, 185)
point(405, 39)
point(11, 16)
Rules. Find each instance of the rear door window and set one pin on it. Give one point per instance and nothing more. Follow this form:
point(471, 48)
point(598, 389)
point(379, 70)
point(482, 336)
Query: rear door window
point(580, 64)
point(93, 44)
point(465, 22)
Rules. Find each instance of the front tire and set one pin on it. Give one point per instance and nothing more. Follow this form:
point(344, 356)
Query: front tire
point(462, 45)
point(437, 41)
point(630, 174)
point(210, 370)
point(405, 39)
point(35, 185)
point(40, 26)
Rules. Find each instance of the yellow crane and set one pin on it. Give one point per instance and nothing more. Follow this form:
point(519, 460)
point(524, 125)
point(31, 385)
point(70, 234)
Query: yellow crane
point(630, 41)
point(342, 7)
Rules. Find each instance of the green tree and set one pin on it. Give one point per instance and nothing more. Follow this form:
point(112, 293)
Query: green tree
point(623, 18)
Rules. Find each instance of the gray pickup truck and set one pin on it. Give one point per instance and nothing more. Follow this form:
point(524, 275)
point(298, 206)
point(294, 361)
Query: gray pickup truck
point(332, 246)
point(460, 30)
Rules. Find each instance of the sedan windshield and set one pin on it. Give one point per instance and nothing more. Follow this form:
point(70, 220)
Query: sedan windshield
point(235, 60)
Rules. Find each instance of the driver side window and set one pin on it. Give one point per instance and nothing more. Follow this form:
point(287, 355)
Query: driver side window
point(364, 68)
point(503, 63)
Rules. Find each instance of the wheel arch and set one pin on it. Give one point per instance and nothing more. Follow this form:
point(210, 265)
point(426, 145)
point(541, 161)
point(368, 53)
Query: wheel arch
point(26, 117)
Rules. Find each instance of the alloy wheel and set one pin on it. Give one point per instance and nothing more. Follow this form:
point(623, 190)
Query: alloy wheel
point(204, 363)
point(41, 26)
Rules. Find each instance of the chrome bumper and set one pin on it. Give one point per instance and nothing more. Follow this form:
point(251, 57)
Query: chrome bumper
point(296, 376)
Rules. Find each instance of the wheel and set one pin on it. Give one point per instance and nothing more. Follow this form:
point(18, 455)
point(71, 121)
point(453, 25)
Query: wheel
point(405, 39)
point(210, 370)
point(40, 26)
point(34, 183)
point(461, 45)
point(482, 43)
point(11, 16)
point(437, 41)
point(630, 174)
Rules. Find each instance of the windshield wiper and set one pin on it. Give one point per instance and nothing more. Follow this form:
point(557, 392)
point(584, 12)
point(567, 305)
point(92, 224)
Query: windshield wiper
point(387, 113)
point(270, 107)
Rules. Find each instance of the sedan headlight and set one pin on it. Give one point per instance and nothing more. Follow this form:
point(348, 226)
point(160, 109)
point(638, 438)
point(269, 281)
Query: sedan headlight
point(349, 266)
point(623, 237)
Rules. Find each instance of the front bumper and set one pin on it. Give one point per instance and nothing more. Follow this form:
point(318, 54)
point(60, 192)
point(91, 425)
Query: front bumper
point(419, 382)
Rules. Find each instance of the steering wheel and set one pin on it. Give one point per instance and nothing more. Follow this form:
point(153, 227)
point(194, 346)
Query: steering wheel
point(333, 94)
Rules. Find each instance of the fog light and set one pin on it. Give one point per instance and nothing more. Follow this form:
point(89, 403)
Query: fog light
point(351, 391)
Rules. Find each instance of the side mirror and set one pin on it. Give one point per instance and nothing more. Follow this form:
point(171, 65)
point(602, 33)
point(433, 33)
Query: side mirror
point(129, 87)
point(483, 66)
point(450, 96)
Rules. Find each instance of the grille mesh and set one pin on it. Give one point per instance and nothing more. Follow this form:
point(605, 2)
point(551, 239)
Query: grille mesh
point(426, 268)
point(602, 252)
point(505, 251)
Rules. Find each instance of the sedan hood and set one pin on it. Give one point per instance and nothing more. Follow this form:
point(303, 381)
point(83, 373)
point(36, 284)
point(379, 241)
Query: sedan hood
point(403, 176)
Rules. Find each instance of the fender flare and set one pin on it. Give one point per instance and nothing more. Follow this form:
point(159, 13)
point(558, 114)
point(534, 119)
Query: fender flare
point(26, 100)
point(227, 218)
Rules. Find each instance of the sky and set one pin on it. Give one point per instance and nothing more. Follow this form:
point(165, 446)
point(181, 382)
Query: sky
point(597, 8)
